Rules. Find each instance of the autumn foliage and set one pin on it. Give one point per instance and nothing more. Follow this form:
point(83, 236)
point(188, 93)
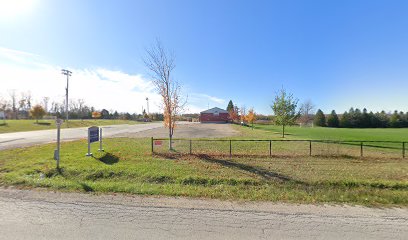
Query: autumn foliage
point(37, 112)
point(251, 117)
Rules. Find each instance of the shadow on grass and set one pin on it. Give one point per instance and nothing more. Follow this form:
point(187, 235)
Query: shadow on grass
point(86, 187)
point(267, 175)
point(43, 123)
point(109, 159)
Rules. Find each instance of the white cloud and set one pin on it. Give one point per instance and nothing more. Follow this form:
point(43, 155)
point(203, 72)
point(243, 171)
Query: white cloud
point(200, 102)
point(99, 87)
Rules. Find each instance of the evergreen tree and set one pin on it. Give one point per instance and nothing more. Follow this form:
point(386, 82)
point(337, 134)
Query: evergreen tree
point(230, 106)
point(365, 121)
point(356, 117)
point(345, 120)
point(333, 120)
point(383, 119)
point(319, 119)
point(374, 120)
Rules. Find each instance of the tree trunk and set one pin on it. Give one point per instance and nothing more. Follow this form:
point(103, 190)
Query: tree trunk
point(283, 131)
point(170, 140)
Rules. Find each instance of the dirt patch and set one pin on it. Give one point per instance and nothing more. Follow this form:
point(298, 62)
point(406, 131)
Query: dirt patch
point(195, 130)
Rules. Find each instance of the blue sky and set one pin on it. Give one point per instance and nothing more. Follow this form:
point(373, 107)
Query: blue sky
point(338, 54)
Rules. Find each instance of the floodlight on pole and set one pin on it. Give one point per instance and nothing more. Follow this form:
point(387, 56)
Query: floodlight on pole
point(147, 100)
point(68, 74)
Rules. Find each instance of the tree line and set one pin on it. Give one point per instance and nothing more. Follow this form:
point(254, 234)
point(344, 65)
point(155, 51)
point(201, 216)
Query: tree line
point(23, 106)
point(355, 118)
point(287, 113)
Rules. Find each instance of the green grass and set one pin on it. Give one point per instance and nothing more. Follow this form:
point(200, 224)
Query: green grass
point(127, 166)
point(31, 125)
point(324, 133)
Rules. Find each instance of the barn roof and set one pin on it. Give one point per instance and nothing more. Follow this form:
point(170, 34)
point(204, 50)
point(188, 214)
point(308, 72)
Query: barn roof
point(214, 110)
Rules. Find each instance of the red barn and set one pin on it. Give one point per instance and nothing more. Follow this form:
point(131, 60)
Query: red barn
point(214, 115)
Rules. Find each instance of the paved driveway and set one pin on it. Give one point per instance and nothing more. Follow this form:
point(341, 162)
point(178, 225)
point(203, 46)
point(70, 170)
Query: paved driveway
point(192, 130)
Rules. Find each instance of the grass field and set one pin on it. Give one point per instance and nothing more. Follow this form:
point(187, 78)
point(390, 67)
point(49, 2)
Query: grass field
point(324, 133)
point(127, 166)
point(31, 125)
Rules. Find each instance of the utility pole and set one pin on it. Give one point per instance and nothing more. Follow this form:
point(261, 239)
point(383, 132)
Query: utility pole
point(68, 74)
point(147, 100)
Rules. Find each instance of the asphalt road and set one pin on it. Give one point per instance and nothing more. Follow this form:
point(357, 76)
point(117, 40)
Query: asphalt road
point(26, 214)
point(19, 139)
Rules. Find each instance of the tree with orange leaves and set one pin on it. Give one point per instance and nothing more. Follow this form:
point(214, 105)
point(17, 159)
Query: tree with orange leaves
point(251, 117)
point(233, 114)
point(161, 64)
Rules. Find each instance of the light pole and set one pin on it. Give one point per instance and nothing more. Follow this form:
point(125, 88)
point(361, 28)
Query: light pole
point(147, 100)
point(68, 74)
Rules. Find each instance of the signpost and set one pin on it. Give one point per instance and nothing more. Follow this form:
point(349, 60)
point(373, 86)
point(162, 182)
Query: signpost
point(58, 122)
point(94, 135)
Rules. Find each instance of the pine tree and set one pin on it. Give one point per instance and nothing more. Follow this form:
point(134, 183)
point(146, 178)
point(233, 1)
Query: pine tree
point(230, 106)
point(345, 120)
point(333, 120)
point(319, 119)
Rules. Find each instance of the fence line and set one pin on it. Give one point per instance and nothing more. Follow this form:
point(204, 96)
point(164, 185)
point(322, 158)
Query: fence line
point(340, 142)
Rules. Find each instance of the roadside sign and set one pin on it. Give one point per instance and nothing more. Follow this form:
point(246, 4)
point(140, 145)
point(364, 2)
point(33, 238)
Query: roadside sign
point(59, 121)
point(158, 143)
point(93, 134)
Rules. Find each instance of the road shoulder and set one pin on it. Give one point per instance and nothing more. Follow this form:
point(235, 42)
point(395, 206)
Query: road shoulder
point(203, 204)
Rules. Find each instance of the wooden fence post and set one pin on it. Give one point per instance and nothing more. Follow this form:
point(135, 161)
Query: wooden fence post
point(310, 148)
point(270, 148)
point(190, 146)
point(152, 145)
point(403, 149)
point(230, 142)
point(361, 149)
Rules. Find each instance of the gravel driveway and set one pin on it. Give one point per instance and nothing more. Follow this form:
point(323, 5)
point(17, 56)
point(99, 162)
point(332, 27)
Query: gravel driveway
point(192, 130)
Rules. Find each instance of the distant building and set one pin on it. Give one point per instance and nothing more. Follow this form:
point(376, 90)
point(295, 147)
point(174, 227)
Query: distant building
point(214, 115)
point(105, 114)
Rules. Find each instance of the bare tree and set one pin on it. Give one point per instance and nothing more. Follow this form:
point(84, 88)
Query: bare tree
point(4, 104)
point(45, 103)
point(161, 64)
point(13, 97)
point(306, 109)
point(28, 100)
point(243, 114)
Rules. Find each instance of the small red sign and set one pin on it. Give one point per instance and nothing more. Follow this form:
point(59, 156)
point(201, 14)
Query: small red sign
point(158, 143)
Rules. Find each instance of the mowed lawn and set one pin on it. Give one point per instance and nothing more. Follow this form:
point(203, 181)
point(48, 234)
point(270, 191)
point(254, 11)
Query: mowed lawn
point(31, 125)
point(127, 166)
point(325, 133)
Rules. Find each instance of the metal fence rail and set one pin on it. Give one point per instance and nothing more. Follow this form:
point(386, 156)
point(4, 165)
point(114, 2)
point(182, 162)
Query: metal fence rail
point(269, 147)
